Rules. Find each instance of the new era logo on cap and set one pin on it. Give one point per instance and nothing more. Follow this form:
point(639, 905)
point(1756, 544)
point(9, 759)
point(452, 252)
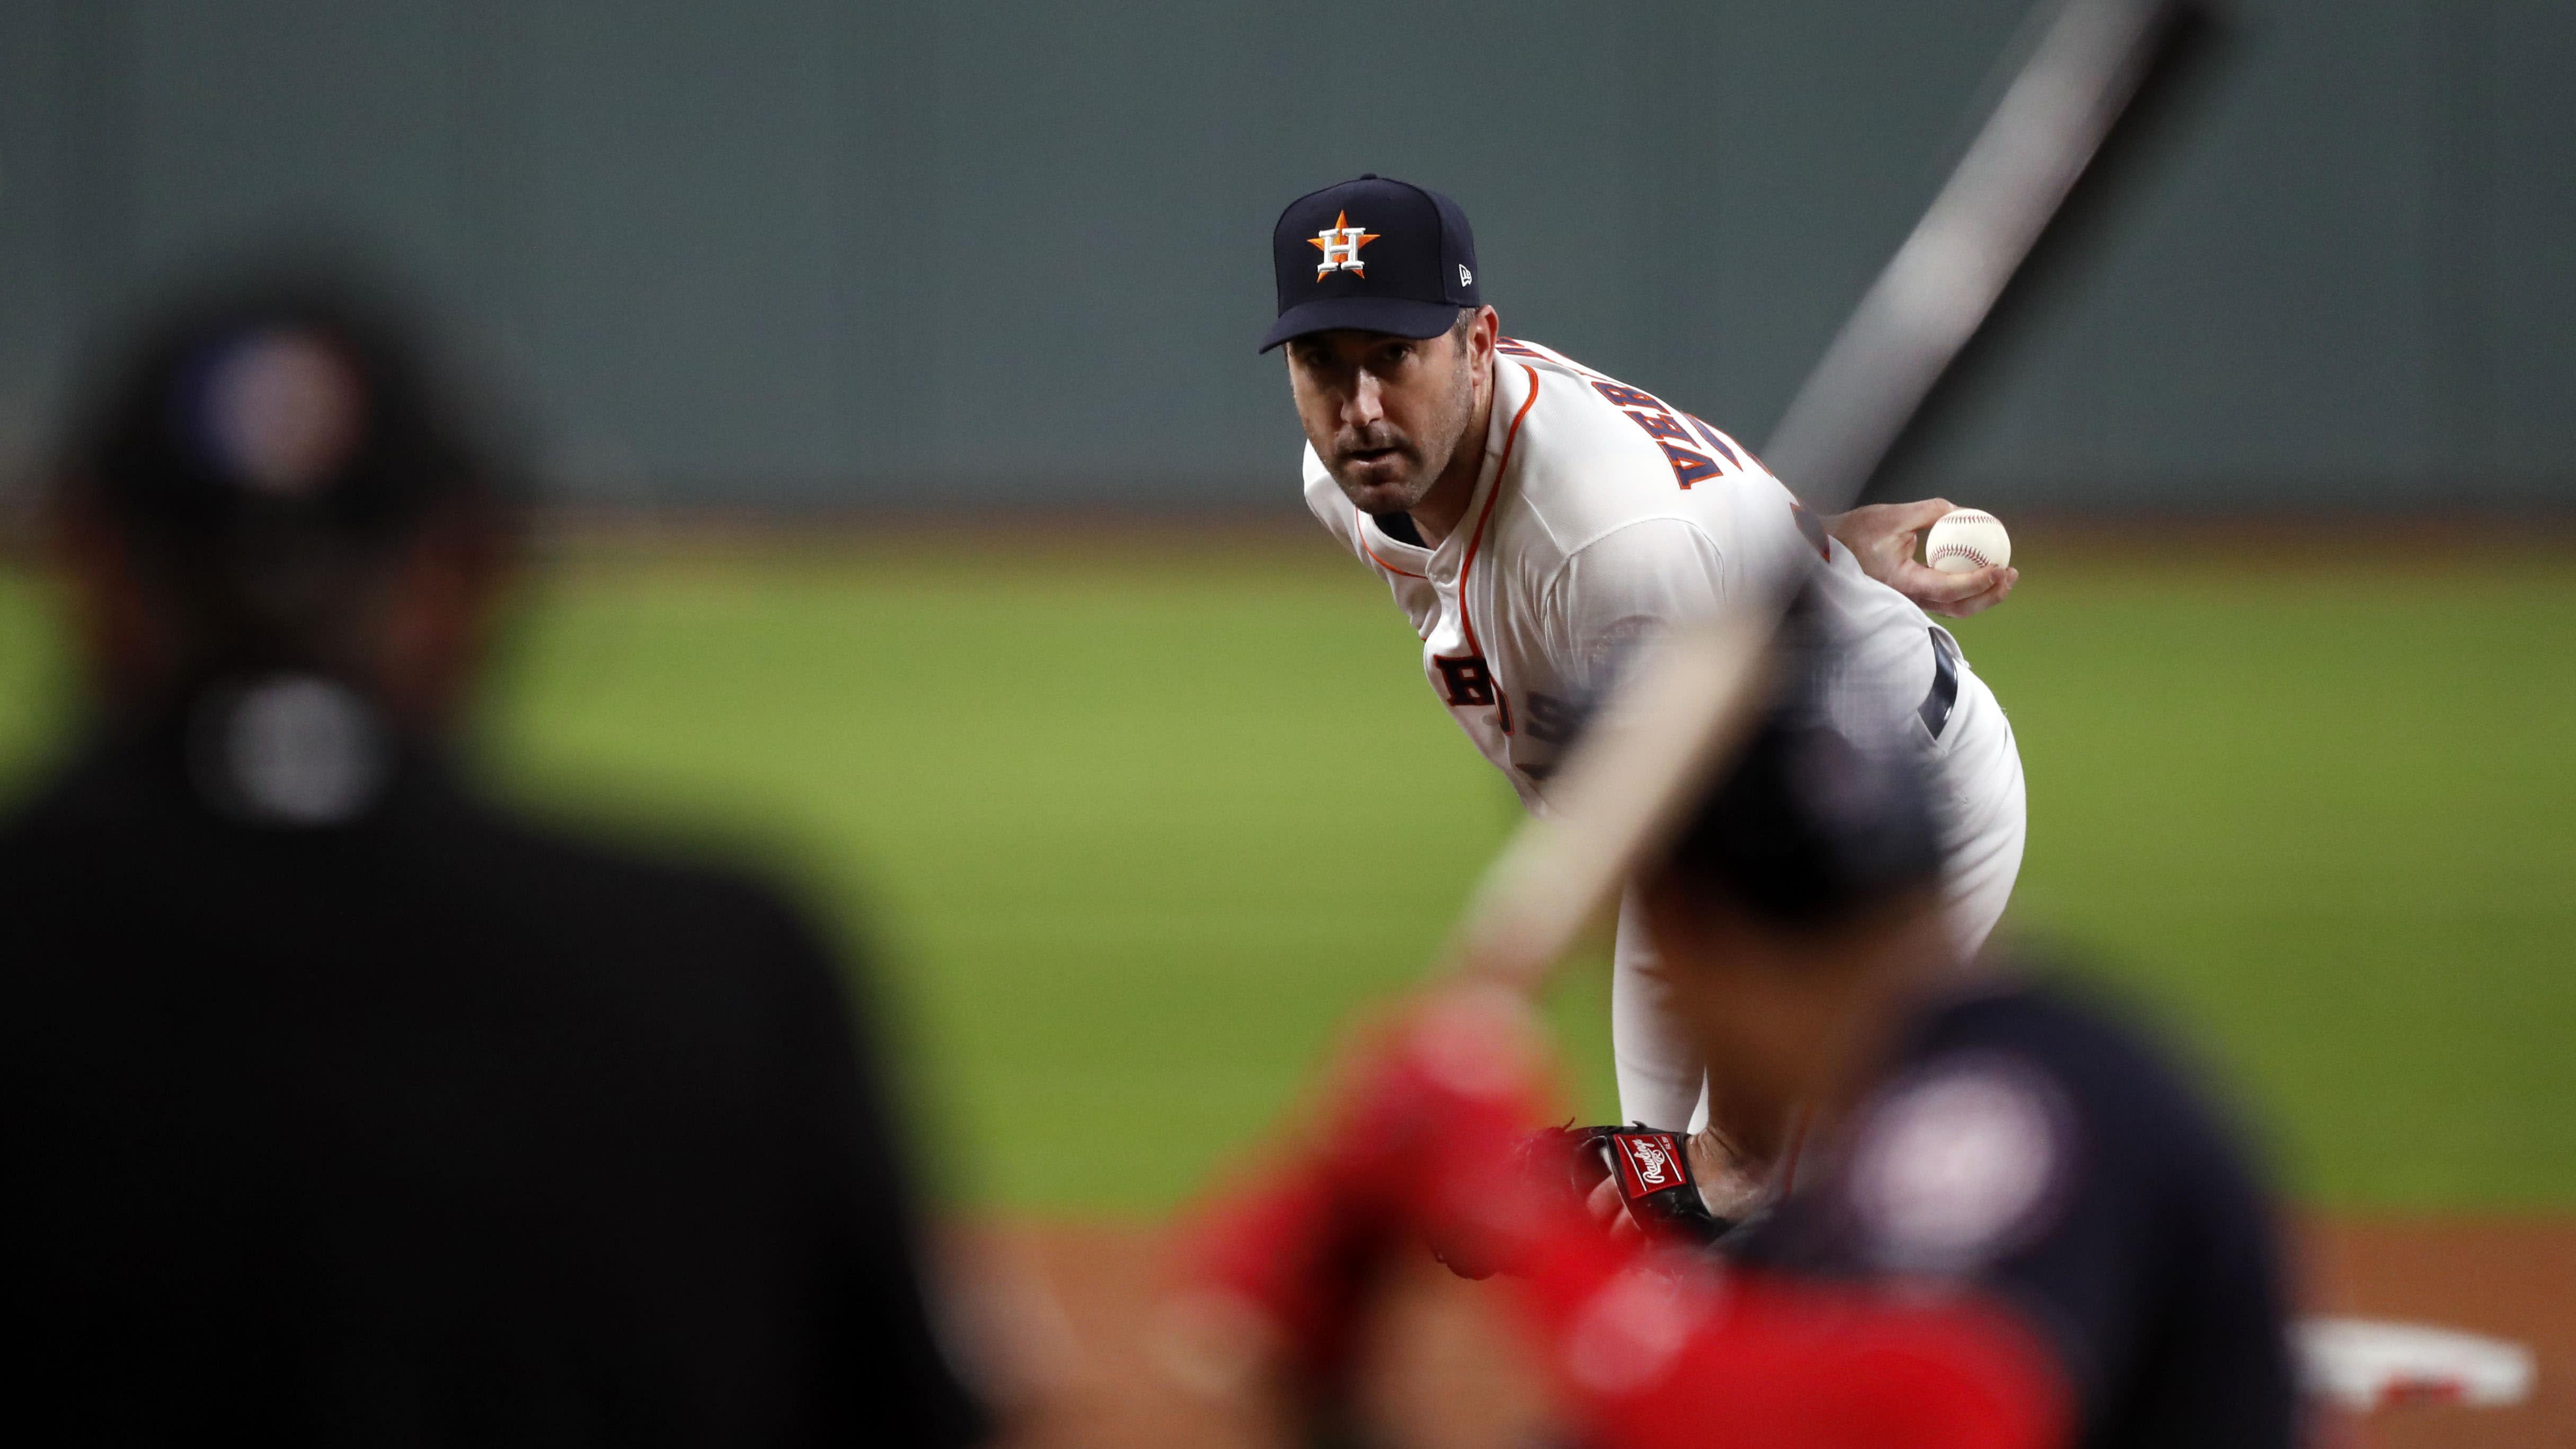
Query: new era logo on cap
point(1374, 254)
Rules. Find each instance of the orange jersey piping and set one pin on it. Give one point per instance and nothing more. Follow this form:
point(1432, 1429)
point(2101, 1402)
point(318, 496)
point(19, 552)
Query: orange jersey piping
point(1476, 541)
point(1359, 530)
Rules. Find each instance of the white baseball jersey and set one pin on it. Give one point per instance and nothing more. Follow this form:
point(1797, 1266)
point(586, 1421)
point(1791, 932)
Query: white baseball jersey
point(1603, 515)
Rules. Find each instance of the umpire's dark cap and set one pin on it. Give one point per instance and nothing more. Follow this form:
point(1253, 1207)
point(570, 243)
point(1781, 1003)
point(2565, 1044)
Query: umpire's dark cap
point(305, 404)
point(1374, 254)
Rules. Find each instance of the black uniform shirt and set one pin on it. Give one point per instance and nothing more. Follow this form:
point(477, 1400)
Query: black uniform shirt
point(431, 1128)
point(2028, 1146)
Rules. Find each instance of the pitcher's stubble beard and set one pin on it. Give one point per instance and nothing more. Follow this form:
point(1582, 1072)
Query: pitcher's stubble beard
point(1382, 469)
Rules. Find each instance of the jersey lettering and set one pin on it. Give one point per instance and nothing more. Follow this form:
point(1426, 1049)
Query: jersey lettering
point(1662, 425)
point(1469, 682)
point(1627, 397)
point(1715, 440)
point(1688, 467)
point(1553, 721)
point(1649, 413)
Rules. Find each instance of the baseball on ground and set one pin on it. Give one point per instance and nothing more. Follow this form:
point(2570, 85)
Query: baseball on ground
point(1966, 539)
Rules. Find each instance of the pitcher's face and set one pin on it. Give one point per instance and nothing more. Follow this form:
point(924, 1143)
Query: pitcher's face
point(1387, 413)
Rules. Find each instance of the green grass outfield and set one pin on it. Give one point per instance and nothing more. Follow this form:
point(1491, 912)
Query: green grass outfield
point(1130, 824)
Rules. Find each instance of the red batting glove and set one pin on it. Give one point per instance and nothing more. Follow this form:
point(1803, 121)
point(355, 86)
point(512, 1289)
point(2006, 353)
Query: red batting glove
point(1419, 1143)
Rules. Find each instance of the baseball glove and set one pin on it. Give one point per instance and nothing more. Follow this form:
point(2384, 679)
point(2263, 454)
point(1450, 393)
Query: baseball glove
point(1655, 1182)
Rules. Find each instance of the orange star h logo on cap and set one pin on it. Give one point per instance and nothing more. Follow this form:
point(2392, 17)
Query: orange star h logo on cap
point(1340, 243)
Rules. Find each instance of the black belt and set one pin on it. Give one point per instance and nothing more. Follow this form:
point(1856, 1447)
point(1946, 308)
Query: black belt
point(1944, 694)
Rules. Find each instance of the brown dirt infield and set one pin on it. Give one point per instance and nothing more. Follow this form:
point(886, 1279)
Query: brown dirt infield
point(1065, 1310)
point(2512, 1279)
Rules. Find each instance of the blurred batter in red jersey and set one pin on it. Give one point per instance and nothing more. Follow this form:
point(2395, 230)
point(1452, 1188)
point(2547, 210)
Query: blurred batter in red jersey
point(2012, 1223)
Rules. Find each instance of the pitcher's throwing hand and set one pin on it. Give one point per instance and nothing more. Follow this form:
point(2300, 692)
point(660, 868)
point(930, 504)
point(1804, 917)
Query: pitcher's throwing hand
point(1883, 537)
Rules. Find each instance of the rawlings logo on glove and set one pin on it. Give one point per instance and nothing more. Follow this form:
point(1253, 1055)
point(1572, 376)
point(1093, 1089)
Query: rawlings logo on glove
point(1655, 1183)
point(1657, 1189)
point(1656, 1186)
point(1648, 1162)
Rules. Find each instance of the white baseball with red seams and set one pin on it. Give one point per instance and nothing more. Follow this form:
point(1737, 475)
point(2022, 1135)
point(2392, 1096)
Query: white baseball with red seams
point(1965, 540)
point(1602, 517)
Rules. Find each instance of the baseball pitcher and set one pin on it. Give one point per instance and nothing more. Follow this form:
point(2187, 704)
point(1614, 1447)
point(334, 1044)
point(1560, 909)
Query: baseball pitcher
point(1539, 523)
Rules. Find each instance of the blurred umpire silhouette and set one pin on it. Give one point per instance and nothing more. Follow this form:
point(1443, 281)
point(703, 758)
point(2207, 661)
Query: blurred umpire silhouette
point(336, 1106)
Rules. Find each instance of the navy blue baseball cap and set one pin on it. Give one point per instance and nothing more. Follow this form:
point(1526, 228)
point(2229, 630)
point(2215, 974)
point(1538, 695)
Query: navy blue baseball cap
point(1381, 255)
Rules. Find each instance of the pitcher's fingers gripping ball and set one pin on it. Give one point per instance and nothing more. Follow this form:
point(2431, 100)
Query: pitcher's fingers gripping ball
point(1884, 539)
point(1966, 540)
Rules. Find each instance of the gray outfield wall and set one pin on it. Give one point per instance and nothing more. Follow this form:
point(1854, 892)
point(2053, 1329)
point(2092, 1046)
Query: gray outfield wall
point(792, 251)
